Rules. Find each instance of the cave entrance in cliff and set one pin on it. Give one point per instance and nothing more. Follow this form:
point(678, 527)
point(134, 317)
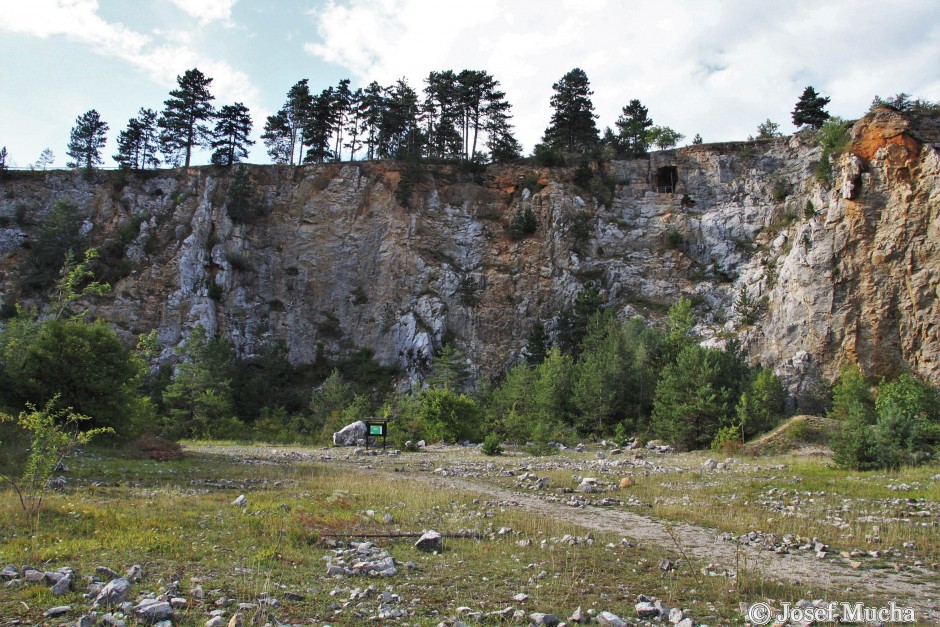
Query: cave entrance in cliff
point(666, 179)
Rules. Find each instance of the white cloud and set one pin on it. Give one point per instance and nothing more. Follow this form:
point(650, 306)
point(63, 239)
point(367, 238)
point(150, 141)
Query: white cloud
point(207, 10)
point(717, 68)
point(162, 60)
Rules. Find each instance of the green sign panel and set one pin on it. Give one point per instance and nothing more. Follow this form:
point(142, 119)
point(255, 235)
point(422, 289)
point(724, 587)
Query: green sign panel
point(376, 429)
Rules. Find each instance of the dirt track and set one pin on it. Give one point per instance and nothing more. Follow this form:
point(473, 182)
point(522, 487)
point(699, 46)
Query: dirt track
point(826, 579)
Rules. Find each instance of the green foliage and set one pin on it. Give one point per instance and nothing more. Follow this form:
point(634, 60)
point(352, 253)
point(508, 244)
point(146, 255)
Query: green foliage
point(581, 227)
point(537, 344)
point(870, 439)
point(583, 174)
point(491, 445)
point(448, 369)
point(89, 367)
point(548, 156)
point(523, 223)
point(572, 127)
point(137, 145)
point(747, 307)
point(333, 396)
point(634, 123)
point(468, 290)
point(904, 103)
point(761, 406)
point(76, 281)
point(726, 438)
point(231, 136)
point(663, 137)
point(183, 121)
point(674, 240)
point(87, 139)
point(530, 397)
point(278, 426)
point(573, 321)
point(767, 130)
point(691, 399)
point(448, 415)
point(852, 397)
point(681, 320)
point(53, 434)
point(268, 380)
point(64, 356)
point(834, 136)
point(241, 203)
point(598, 389)
point(59, 233)
point(198, 402)
point(810, 109)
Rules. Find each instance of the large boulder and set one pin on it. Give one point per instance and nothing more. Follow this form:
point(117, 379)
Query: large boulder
point(350, 434)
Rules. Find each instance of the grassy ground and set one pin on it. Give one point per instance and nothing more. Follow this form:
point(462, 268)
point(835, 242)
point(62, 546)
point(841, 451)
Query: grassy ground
point(803, 496)
point(175, 518)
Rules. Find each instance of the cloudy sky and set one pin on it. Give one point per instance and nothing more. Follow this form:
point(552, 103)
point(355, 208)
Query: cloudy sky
point(714, 67)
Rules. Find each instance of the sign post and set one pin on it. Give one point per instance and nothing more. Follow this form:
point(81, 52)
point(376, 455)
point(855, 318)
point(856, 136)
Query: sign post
point(376, 427)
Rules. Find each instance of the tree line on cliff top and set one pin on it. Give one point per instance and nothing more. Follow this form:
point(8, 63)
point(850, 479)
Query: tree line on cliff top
point(458, 116)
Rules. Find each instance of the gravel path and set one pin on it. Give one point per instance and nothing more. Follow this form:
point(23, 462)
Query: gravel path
point(819, 578)
point(826, 579)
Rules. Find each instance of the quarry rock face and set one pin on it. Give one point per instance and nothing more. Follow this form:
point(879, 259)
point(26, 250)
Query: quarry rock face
point(837, 268)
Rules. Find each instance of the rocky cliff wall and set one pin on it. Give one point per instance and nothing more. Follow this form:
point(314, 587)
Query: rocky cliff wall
point(835, 271)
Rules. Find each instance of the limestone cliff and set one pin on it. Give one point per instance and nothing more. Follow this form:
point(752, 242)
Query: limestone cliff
point(344, 256)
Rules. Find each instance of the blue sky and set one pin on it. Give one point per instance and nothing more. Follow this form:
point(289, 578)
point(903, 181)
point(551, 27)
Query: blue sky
point(717, 68)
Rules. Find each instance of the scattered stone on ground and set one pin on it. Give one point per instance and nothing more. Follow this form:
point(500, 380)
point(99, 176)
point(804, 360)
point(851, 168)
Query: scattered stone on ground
point(430, 541)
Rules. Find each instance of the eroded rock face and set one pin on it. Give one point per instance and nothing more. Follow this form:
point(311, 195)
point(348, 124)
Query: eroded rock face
point(841, 270)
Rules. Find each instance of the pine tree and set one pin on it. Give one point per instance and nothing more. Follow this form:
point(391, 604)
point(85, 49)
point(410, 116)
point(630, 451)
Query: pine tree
point(241, 204)
point(355, 126)
point(441, 114)
point(319, 127)
point(536, 347)
point(399, 133)
point(373, 110)
point(199, 400)
point(690, 400)
point(277, 137)
point(810, 109)
point(137, 144)
point(342, 102)
point(3, 159)
point(87, 140)
point(572, 126)
point(633, 123)
point(232, 128)
point(46, 157)
point(182, 122)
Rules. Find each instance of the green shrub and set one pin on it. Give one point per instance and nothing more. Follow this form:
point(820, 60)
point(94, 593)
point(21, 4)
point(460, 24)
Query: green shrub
point(54, 433)
point(581, 229)
point(901, 426)
point(729, 437)
point(491, 445)
point(523, 223)
point(674, 240)
point(448, 415)
point(547, 156)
